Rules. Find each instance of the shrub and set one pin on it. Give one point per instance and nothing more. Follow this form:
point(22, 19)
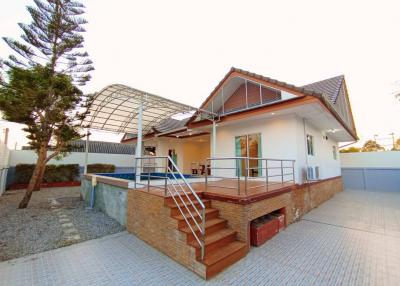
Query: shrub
point(53, 173)
point(100, 168)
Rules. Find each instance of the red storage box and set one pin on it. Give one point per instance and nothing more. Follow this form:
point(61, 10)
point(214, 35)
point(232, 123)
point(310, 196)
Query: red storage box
point(262, 230)
point(281, 220)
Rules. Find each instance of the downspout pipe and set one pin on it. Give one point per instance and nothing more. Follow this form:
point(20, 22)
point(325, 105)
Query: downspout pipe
point(93, 192)
point(92, 196)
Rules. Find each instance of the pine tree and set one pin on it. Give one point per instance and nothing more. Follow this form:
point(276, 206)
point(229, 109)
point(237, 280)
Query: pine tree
point(40, 87)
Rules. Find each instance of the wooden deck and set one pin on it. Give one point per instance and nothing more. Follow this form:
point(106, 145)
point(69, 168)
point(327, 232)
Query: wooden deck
point(227, 190)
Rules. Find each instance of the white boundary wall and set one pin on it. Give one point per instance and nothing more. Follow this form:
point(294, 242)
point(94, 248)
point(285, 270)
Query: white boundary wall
point(383, 159)
point(29, 157)
point(371, 171)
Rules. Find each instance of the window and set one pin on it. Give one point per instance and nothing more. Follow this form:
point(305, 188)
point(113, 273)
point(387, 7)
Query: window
point(334, 152)
point(149, 151)
point(310, 145)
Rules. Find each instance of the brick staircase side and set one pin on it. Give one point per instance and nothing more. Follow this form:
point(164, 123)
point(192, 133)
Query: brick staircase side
point(222, 249)
point(149, 219)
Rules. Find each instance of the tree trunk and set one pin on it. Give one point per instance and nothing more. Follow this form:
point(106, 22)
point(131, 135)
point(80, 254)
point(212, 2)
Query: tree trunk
point(39, 179)
point(36, 177)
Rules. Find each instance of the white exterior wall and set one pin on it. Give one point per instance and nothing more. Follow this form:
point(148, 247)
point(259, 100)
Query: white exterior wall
point(323, 153)
point(278, 140)
point(281, 138)
point(383, 159)
point(187, 150)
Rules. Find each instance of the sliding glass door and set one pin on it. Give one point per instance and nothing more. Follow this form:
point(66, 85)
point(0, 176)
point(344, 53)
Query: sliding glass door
point(249, 146)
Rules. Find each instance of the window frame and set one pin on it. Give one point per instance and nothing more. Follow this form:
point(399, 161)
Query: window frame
point(334, 152)
point(310, 145)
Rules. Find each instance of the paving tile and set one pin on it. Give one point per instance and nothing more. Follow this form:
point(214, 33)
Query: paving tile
point(353, 239)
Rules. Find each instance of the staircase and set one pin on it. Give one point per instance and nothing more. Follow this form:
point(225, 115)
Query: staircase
point(221, 249)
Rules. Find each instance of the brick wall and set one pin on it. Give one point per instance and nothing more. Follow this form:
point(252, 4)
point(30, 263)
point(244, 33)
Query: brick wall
point(296, 203)
point(150, 220)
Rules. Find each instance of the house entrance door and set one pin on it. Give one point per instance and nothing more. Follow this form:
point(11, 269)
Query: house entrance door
point(249, 146)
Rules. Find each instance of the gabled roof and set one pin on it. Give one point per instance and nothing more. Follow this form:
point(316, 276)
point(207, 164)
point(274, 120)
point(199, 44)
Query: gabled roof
point(261, 77)
point(171, 124)
point(327, 91)
point(330, 87)
point(165, 126)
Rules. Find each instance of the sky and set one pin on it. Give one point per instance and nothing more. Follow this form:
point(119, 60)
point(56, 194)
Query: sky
point(182, 49)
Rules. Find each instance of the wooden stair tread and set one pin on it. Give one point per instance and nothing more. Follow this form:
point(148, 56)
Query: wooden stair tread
point(209, 223)
point(218, 255)
point(214, 237)
point(182, 205)
point(188, 216)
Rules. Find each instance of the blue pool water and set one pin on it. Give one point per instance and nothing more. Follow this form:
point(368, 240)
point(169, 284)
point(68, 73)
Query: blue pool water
point(131, 176)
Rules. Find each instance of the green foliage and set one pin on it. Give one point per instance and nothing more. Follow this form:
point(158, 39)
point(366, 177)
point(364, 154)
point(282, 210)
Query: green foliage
point(45, 103)
point(39, 89)
point(100, 168)
point(53, 173)
point(53, 38)
point(350, 150)
point(372, 146)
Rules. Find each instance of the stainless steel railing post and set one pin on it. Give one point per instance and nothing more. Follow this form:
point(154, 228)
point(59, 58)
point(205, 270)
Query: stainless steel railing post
point(238, 174)
point(266, 172)
point(134, 171)
point(166, 176)
point(203, 230)
point(294, 179)
point(148, 174)
point(246, 162)
point(206, 175)
point(282, 171)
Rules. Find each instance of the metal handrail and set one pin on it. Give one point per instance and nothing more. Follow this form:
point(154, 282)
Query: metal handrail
point(284, 172)
point(174, 184)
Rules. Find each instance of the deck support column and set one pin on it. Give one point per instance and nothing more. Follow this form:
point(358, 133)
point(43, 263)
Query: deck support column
point(86, 151)
point(138, 149)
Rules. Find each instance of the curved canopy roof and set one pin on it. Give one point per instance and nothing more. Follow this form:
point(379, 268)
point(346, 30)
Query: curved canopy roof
point(115, 108)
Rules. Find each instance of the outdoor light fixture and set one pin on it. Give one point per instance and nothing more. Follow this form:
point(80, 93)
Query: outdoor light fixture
point(333, 130)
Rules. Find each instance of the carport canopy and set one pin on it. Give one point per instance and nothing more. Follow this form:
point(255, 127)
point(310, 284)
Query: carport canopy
point(117, 108)
point(122, 109)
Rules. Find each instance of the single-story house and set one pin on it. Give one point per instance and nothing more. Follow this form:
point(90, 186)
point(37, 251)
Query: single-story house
point(256, 146)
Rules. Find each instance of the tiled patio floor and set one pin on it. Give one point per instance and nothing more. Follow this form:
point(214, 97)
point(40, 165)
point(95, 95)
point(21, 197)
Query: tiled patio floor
point(353, 239)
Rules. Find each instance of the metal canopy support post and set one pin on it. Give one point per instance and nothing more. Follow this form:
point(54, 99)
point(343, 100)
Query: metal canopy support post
point(214, 145)
point(138, 150)
point(86, 151)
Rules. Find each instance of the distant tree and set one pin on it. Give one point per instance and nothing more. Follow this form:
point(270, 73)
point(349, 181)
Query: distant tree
point(350, 150)
point(372, 146)
point(39, 88)
point(396, 146)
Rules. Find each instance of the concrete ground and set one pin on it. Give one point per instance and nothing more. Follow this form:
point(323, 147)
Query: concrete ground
point(353, 239)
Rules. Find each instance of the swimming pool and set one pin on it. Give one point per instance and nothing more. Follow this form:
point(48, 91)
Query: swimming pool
point(143, 176)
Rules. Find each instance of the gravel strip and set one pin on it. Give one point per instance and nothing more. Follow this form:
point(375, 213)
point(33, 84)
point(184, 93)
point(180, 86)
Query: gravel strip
point(55, 217)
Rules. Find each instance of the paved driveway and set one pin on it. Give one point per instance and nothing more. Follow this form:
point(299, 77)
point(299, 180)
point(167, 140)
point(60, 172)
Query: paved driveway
point(353, 239)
